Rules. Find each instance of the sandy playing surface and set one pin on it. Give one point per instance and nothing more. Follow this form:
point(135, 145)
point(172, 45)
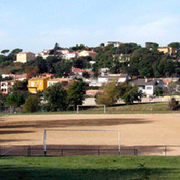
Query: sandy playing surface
point(136, 129)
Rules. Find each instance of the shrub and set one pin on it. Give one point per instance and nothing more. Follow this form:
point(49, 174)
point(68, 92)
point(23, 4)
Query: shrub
point(173, 104)
point(31, 104)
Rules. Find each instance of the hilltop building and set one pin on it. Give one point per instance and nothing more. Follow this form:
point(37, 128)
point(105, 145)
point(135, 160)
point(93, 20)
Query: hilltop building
point(24, 57)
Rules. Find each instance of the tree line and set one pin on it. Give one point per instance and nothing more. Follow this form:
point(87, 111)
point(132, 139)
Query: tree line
point(53, 98)
point(142, 62)
point(138, 61)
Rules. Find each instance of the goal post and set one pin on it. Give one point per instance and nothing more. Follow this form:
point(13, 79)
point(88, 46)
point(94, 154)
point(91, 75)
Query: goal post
point(102, 105)
point(45, 136)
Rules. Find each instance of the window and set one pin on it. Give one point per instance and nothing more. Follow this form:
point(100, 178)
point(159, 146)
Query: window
point(32, 84)
point(40, 83)
point(149, 87)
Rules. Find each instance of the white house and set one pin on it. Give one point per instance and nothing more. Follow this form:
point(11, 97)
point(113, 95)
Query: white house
point(76, 73)
point(147, 86)
point(85, 53)
point(64, 81)
point(6, 86)
point(113, 77)
point(24, 57)
point(115, 43)
point(106, 78)
point(69, 56)
point(44, 54)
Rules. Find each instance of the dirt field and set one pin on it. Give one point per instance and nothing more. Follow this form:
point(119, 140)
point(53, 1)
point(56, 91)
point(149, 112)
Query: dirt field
point(136, 129)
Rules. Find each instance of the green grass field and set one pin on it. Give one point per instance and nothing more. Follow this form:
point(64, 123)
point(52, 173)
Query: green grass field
point(149, 108)
point(90, 167)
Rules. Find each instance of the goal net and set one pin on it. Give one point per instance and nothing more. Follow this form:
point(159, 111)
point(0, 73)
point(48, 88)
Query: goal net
point(88, 109)
point(78, 139)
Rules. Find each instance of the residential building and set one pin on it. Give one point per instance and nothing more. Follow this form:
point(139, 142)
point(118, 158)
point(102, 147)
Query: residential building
point(64, 51)
point(76, 73)
point(147, 86)
point(106, 78)
point(113, 77)
point(44, 54)
point(70, 55)
point(85, 53)
point(47, 75)
point(37, 84)
point(115, 43)
point(17, 77)
point(64, 81)
point(8, 75)
point(167, 50)
point(6, 86)
point(24, 57)
point(93, 92)
point(20, 77)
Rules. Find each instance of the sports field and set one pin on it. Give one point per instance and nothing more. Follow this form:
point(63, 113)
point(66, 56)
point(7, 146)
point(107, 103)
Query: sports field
point(140, 130)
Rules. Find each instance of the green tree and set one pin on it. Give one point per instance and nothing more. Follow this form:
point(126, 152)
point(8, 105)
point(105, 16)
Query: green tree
point(54, 50)
point(2, 99)
point(32, 104)
point(95, 70)
point(20, 86)
point(14, 52)
point(81, 62)
point(131, 94)
point(41, 64)
point(151, 45)
point(75, 93)
point(158, 91)
point(173, 104)
point(62, 68)
point(115, 68)
point(14, 100)
point(5, 51)
point(109, 96)
point(78, 47)
point(174, 45)
point(113, 91)
point(56, 97)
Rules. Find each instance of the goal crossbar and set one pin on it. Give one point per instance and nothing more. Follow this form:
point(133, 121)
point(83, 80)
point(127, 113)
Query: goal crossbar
point(45, 133)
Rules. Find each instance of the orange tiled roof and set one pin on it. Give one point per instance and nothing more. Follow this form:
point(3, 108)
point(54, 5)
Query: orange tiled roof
point(76, 70)
point(38, 78)
point(61, 79)
point(24, 52)
point(166, 80)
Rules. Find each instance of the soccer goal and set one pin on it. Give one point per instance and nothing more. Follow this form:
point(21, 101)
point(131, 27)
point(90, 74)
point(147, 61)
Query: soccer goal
point(91, 108)
point(78, 130)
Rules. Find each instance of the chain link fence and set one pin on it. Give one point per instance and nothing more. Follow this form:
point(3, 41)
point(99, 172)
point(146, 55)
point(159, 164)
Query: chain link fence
point(59, 151)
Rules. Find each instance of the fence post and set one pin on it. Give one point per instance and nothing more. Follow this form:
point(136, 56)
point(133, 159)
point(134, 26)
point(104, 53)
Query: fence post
point(61, 152)
point(29, 151)
point(165, 151)
point(98, 152)
point(135, 151)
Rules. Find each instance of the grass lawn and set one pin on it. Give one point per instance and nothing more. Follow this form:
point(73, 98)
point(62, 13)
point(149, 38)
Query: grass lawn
point(90, 167)
point(142, 108)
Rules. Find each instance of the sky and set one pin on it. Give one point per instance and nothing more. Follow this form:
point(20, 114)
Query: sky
point(34, 25)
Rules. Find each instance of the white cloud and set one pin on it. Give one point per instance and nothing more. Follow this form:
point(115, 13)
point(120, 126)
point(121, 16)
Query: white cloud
point(161, 31)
